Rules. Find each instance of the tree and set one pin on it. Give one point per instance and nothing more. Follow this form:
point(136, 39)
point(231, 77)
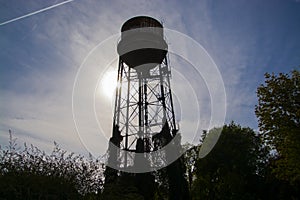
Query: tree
point(233, 169)
point(278, 112)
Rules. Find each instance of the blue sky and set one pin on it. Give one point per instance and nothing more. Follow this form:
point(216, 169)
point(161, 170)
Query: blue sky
point(41, 54)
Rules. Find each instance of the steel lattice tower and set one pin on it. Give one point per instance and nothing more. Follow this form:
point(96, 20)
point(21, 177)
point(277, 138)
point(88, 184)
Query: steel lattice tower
point(144, 119)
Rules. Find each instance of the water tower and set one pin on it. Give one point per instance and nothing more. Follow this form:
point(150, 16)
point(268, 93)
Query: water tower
point(144, 119)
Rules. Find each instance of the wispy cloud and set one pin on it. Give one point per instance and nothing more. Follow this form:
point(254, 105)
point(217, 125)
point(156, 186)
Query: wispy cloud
point(49, 114)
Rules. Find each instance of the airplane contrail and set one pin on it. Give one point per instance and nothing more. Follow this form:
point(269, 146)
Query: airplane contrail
point(35, 12)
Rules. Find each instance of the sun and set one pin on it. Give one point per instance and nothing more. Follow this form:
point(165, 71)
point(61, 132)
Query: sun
point(108, 84)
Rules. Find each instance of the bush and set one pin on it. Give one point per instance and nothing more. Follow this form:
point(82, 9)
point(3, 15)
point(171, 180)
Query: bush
point(30, 173)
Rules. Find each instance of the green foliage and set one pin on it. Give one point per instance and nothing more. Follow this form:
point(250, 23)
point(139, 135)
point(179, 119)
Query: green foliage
point(190, 158)
point(278, 111)
point(232, 170)
point(124, 187)
point(24, 185)
point(162, 187)
point(34, 173)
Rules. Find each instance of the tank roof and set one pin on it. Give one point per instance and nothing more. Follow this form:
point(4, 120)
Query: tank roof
point(140, 21)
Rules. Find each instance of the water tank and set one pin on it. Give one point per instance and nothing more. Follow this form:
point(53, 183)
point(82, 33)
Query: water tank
point(142, 43)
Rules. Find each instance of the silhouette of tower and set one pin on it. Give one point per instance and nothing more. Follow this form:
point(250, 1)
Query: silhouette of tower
point(144, 119)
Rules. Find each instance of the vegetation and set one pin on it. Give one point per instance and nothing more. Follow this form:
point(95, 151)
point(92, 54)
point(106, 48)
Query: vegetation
point(30, 173)
point(278, 112)
point(244, 164)
point(233, 169)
